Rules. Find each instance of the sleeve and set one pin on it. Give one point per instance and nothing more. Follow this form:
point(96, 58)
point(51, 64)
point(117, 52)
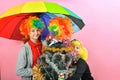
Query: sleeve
point(81, 67)
point(87, 75)
point(21, 69)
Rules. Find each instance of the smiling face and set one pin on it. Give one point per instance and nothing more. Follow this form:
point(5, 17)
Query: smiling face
point(77, 49)
point(34, 34)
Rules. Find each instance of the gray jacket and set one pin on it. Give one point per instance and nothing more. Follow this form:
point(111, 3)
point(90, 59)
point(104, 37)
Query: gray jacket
point(24, 63)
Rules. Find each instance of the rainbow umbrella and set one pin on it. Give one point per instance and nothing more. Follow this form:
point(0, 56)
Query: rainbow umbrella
point(11, 19)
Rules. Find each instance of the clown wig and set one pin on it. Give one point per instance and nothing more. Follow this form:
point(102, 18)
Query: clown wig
point(28, 23)
point(61, 27)
point(83, 51)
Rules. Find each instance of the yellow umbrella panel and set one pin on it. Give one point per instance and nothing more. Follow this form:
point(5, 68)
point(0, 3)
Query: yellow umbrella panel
point(34, 7)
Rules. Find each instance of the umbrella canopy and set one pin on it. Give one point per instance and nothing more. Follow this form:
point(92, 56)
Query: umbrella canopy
point(12, 18)
point(34, 7)
point(76, 23)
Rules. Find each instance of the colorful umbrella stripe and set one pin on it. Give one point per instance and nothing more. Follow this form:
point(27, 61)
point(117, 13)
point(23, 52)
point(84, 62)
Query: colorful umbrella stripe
point(11, 19)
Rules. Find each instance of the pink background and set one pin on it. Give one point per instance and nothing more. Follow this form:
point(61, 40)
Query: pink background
point(100, 36)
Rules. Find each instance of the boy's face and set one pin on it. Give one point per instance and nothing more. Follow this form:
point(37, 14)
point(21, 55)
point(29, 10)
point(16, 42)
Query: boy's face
point(35, 33)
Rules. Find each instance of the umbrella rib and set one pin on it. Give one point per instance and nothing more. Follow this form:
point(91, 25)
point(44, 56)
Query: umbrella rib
point(78, 22)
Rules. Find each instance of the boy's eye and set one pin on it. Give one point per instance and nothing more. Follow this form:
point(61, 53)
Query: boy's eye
point(38, 30)
point(33, 30)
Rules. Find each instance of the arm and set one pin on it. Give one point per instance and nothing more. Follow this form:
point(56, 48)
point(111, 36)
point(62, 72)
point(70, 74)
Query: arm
point(81, 67)
point(21, 68)
point(87, 75)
